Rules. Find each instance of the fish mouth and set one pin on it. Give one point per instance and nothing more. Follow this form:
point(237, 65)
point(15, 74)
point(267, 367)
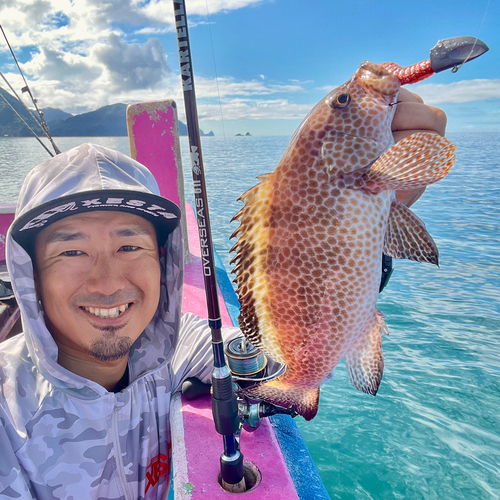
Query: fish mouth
point(378, 79)
point(377, 70)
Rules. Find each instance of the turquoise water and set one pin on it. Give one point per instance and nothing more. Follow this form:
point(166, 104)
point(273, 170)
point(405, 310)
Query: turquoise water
point(433, 431)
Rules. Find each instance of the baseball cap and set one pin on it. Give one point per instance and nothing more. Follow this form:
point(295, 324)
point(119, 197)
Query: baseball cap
point(85, 179)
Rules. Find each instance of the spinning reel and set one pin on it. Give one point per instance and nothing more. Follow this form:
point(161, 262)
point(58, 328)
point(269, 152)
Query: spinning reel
point(249, 366)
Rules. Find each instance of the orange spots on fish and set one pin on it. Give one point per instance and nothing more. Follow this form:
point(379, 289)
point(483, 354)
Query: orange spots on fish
point(312, 233)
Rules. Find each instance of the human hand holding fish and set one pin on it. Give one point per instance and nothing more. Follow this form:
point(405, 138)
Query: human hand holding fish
point(312, 233)
point(412, 116)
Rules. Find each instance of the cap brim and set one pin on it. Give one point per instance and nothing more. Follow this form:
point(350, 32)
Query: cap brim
point(162, 213)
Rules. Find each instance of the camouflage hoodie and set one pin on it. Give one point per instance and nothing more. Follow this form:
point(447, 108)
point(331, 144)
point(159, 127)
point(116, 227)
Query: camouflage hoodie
point(64, 436)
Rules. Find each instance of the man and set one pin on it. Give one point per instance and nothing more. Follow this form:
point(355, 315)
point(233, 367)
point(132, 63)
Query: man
point(96, 260)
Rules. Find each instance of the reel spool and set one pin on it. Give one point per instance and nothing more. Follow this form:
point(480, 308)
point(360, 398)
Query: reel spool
point(247, 363)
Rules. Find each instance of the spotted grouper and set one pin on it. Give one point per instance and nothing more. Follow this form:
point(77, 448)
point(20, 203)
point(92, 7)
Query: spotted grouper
point(312, 234)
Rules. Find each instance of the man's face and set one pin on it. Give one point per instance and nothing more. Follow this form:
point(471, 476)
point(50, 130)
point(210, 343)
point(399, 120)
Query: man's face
point(98, 277)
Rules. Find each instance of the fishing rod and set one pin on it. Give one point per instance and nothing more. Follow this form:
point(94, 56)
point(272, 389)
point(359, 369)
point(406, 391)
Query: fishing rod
point(224, 402)
point(27, 89)
point(24, 121)
point(21, 101)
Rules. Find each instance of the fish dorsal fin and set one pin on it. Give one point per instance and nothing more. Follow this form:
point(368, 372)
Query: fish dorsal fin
point(407, 238)
point(255, 317)
point(415, 161)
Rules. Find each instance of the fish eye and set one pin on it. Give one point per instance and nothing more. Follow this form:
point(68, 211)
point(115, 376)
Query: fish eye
point(340, 100)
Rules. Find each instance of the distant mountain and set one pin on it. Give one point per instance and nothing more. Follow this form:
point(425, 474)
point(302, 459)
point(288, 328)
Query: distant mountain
point(52, 115)
point(10, 124)
point(105, 121)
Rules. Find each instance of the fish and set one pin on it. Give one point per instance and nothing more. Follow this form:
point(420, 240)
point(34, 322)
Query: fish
point(312, 233)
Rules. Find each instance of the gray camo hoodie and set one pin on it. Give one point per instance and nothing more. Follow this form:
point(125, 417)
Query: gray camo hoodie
point(64, 436)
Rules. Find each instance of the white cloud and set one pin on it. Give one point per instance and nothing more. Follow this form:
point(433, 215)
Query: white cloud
point(458, 92)
point(328, 88)
point(63, 66)
point(163, 10)
point(56, 23)
point(131, 66)
point(227, 86)
point(81, 57)
point(253, 109)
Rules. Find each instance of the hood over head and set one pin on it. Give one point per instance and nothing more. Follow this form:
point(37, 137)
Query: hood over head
point(84, 179)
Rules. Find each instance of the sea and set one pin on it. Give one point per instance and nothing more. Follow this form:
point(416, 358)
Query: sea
point(433, 430)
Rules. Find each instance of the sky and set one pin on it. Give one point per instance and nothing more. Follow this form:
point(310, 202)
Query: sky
point(259, 65)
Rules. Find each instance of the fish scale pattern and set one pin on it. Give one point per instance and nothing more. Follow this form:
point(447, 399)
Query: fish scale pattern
point(311, 237)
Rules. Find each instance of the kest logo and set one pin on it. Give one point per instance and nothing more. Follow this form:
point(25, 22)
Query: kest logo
point(158, 467)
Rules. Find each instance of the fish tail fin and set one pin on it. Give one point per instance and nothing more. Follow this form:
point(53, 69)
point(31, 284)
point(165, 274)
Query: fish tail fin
point(415, 161)
point(302, 399)
point(365, 364)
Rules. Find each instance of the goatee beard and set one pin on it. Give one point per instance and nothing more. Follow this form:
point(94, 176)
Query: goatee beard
point(110, 347)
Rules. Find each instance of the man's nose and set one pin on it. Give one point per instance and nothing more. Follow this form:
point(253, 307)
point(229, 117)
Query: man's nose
point(106, 276)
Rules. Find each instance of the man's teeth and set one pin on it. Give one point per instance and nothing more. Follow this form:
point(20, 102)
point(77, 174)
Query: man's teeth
point(114, 312)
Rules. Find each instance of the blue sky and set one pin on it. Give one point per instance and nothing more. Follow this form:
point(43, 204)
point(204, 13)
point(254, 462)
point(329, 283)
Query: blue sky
point(274, 59)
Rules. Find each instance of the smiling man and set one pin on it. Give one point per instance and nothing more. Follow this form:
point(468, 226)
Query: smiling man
point(98, 278)
point(96, 261)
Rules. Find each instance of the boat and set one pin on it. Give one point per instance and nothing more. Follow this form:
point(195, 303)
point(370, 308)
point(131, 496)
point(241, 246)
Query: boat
point(10, 321)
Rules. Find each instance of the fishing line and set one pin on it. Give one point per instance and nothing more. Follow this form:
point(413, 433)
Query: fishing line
point(21, 101)
point(24, 121)
point(281, 370)
point(216, 77)
point(456, 68)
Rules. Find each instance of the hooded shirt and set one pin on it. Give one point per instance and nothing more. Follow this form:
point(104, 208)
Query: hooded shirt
point(62, 435)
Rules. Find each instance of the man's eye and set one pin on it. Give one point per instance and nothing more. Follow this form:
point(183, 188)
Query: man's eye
point(72, 253)
point(128, 248)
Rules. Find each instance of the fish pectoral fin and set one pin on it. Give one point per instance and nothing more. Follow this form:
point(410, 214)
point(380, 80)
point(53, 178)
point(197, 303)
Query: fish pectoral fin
point(365, 363)
point(415, 161)
point(303, 399)
point(407, 238)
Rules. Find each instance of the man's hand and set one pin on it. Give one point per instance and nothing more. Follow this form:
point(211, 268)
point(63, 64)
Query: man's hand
point(412, 116)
